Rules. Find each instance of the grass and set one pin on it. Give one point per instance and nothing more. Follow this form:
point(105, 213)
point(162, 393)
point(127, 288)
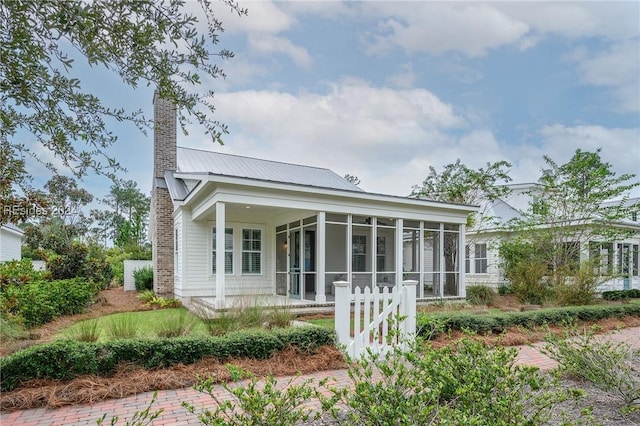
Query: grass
point(146, 323)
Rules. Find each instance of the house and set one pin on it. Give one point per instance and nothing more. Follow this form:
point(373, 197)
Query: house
point(225, 225)
point(10, 242)
point(482, 260)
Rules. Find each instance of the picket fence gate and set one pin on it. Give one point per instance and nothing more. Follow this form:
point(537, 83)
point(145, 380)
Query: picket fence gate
point(381, 318)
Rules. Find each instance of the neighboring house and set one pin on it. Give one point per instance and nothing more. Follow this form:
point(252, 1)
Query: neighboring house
point(224, 225)
point(482, 261)
point(10, 242)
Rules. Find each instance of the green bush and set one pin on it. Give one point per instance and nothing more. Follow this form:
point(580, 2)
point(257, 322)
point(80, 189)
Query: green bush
point(80, 260)
point(38, 302)
point(579, 288)
point(19, 272)
point(143, 278)
point(430, 325)
point(465, 384)
point(68, 359)
point(258, 403)
point(621, 294)
point(480, 295)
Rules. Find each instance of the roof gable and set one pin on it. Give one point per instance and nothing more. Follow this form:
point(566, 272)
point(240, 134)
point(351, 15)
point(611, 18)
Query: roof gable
point(208, 162)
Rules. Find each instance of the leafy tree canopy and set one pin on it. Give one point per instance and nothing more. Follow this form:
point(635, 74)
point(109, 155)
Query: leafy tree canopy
point(150, 42)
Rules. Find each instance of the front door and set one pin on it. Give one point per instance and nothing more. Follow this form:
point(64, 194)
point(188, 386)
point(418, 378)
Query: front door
point(294, 264)
point(626, 266)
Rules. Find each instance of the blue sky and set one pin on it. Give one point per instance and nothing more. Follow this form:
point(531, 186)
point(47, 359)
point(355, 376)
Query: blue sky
point(383, 90)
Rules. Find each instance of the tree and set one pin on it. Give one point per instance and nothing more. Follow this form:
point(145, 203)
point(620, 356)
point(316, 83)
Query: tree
point(462, 185)
point(151, 42)
point(126, 222)
point(581, 201)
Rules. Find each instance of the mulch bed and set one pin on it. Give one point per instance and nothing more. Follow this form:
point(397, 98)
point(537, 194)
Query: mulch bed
point(130, 380)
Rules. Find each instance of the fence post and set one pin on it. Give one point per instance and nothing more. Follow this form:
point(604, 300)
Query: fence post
point(343, 311)
point(409, 304)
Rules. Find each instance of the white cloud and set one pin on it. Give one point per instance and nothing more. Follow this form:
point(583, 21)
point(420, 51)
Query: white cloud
point(372, 132)
point(269, 45)
point(405, 78)
point(620, 147)
point(474, 28)
point(618, 68)
point(263, 17)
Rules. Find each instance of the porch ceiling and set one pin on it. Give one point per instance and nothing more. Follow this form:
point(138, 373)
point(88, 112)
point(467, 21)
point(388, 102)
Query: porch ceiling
point(247, 212)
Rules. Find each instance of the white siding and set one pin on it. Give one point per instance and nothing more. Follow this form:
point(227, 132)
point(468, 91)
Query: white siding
point(10, 245)
point(197, 279)
point(178, 232)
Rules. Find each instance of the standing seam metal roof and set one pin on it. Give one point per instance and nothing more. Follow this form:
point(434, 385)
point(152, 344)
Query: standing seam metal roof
point(199, 161)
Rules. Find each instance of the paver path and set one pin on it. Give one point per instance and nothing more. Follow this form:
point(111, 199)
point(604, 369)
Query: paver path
point(175, 414)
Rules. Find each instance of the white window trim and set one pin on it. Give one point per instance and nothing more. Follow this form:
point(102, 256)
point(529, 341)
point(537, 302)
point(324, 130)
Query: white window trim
point(476, 258)
point(212, 248)
point(248, 227)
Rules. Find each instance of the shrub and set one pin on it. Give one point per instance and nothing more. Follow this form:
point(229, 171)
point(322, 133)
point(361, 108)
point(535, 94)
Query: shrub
point(38, 302)
point(580, 288)
point(79, 260)
point(143, 278)
point(528, 282)
point(610, 366)
point(280, 316)
point(467, 383)
point(19, 272)
point(11, 329)
point(255, 403)
point(430, 325)
point(480, 295)
point(621, 294)
point(67, 359)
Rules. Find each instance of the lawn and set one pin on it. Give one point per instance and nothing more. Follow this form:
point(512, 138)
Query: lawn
point(146, 323)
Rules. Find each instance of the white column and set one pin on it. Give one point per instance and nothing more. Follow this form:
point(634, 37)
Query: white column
point(399, 251)
point(349, 249)
point(421, 260)
point(342, 291)
point(443, 266)
point(409, 311)
point(462, 290)
point(220, 243)
point(320, 256)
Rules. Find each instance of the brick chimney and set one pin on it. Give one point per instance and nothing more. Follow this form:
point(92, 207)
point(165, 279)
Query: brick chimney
point(164, 158)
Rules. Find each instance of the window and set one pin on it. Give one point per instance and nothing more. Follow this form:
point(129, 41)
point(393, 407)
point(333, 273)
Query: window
point(228, 251)
point(175, 253)
point(359, 253)
point(480, 255)
point(467, 258)
point(381, 254)
point(601, 257)
point(636, 250)
point(251, 251)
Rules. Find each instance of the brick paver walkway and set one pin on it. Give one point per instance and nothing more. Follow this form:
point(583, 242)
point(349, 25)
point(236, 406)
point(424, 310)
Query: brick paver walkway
point(175, 414)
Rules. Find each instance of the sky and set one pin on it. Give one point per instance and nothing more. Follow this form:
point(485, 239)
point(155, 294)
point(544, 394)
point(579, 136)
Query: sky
point(383, 90)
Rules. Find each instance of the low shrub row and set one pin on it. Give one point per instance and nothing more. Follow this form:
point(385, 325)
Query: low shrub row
point(430, 325)
point(38, 302)
point(68, 359)
point(621, 294)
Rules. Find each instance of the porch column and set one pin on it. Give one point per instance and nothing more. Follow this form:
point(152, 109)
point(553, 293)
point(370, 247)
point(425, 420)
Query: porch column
point(443, 265)
point(220, 255)
point(399, 252)
point(462, 290)
point(321, 266)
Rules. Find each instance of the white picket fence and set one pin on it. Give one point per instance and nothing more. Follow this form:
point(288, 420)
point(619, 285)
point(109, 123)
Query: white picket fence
point(375, 317)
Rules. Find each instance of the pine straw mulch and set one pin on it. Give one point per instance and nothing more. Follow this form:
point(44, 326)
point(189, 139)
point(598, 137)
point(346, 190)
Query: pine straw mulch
point(130, 380)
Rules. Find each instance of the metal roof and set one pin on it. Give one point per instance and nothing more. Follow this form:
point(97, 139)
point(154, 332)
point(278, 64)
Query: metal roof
point(207, 162)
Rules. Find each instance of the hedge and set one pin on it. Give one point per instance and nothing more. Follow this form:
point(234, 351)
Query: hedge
point(67, 359)
point(621, 294)
point(432, 324)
